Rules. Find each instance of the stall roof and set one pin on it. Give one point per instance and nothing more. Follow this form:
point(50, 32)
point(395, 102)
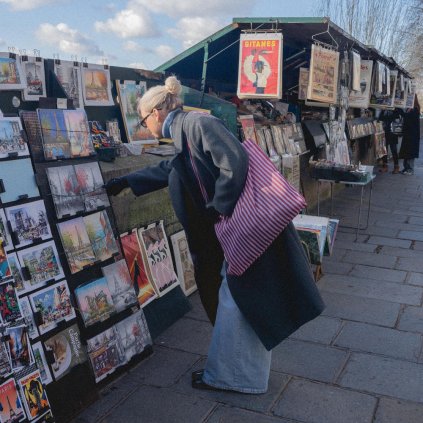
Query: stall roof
point(223, 46)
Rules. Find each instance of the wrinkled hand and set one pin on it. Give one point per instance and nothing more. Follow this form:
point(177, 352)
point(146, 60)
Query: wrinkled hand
point(116, 185)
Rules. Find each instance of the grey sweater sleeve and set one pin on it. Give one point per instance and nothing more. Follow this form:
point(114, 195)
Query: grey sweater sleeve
point(214, 145)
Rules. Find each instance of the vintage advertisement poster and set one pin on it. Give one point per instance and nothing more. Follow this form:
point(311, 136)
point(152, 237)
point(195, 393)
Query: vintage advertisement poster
point(360, 99)
point(11, 140)
point(303, 78)
point(33, 72)
point(323, 79)
point(260, 66)
point(69, 75)
point(11, 409)
point(34, 395)
point(96, 85)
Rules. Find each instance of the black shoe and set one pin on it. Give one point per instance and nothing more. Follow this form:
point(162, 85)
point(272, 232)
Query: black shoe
point(200, 384)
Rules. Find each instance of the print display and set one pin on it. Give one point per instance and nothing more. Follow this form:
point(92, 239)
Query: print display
point(5, 272)
point(29, 223)
point(53, 304)
point(5, 238)
point(34, 395)
point(385, 100)
point(141, 281)
point(120, 285)
point(361, 98)
point(9, 306)
point(303, 83)
point(11, 139)
point(79, 135)
point(96, 86)
point(28, 317)
point(33, 71)
point(159, 259)
point(69, 75)
point(16, 273)
point(260, 66)
point(323, 78)
point(5, 366)
point(40, 360)
point(11, 408)
point(10, 72)
point(18, 347)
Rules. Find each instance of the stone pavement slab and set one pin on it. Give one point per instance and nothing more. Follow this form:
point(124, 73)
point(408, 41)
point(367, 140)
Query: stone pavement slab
point(415, 279)
point(236, 415)
point(316, 402)
point(411, 319)
point(321, 330)
point(370, 272)
point(380, 340)
point(378, 260)
point(410, 264)
point(397, 411)
point(386, 376)
point(392, 242)
point(413, 235)
point(400, 252)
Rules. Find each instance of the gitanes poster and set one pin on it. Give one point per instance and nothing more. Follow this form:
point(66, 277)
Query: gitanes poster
point(260, 66)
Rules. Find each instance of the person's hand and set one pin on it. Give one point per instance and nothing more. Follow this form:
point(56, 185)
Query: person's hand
point(116, 185)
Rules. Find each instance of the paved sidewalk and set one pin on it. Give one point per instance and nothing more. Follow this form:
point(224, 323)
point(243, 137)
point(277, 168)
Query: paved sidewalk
point(361, 361)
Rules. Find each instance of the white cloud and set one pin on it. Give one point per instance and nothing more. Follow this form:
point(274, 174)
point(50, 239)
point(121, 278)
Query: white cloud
point(68, 40)
point(164, 52)
point(131, 46)
point(26, 4)
point(128, 23)
point(192, 30)
point(138, 65)
point(191, 8)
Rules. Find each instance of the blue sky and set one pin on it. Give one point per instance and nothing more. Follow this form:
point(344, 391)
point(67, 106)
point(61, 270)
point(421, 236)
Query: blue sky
point(139, 33)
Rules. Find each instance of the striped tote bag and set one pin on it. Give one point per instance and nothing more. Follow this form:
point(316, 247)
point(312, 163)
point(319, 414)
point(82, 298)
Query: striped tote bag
point(265, 207)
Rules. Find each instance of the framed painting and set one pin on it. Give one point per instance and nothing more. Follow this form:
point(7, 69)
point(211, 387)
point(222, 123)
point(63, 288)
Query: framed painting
point(96, 85)
point(12, 141)
point(10, 72)
point(33, 71)
point(69, 75)
point(79, 135)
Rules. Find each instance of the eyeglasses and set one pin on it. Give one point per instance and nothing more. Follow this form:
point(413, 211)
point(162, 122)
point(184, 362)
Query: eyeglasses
point(143, 122)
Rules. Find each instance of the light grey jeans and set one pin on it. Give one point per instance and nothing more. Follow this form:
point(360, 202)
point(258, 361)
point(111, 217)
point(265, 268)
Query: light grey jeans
point(237, 360)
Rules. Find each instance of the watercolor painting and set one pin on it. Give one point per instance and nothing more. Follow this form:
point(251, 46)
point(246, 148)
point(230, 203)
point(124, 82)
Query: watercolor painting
point(11, 140)
point(79, 135)
point(11, 408)
point(10, 72)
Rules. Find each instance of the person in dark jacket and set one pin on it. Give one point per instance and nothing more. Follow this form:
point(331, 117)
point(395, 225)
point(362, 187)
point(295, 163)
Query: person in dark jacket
point(388, 117)
point(251, 313)
point(411, 138)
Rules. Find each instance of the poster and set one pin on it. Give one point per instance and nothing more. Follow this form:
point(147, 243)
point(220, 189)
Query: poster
point(33, 72)
point(69, 75)
point(360, 99)
point(34, 395)
point(400, 97)
point(12, 141)
point(260, 66)
point(96, 85)
point(40, 360)
point(11, 409)
point(247, 123)
point(323, 78)
point(18, 347)
point(5, 365)
point(10, 72)
point(16, 271)
point(409, 103)
point(303, 83)
point(385, 101)
point(9, 306)
point(356, 71)
point(5, 271)
point(5, 238)
point(28, 315)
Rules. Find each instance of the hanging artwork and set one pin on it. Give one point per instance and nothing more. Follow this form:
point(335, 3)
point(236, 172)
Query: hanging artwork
point(34, 395)
point(69, 75)
point(94, 301)
point(11, 409)
point(133, 334)
point(9, 306)
point(154, 241)
point(303, 83)
point(29, 223)
point(18, 180)
point(129, 93)
point(67, 350)
point(260, 66)
point(15, 269)
point(103, 351)
point(323, 78)
point(76, 244)
point(79, 135)
point(120, 285)
point(65, 191)
point(33, 72)
point(18, 347)
point(12, 141)
point(10, 72)
point(28, 315)
point(56, 142)
point(41, 362)
point(409, 103)
point(42, 264)
point(91, 186)
point(385, 101)
point(5, 272)
point(400, 97)
point(356, 71)
point(96, 85)
point(184, 264)
point(5, 237)
point(53, 305)
point(361, 98)
point(33, 131)
point(141, 280)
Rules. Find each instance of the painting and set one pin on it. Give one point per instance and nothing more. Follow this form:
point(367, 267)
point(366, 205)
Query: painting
point(67, 350)
point(96, 85)
point(120, 285)
point(43, 264)
point(91, 186)
point(260, 66)
point(5, 271)
point(18, 180)
point(11, 409)
point(141, 280)
point(53, 303)
point(40, 360)
point(11, 140)
point(18, 347)
point(28, 316)
point(65, 191)
point(34, 395)
point(383, 101)
point(103, 352)
point(16, 273)
point(5, 365)
point(76, 244)
point(5, 238)
point(154, 241)
point(9, 305)
point(303, 83)
point(29, 223)
point(10, 72)
point(69, 75)
point(183, 261)
point(33, 132)
point(129, 93)
point(79, 135)
point(94, 301)
point(101, 235)
point(33, 72)
point(56, 142)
